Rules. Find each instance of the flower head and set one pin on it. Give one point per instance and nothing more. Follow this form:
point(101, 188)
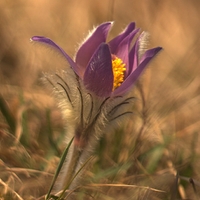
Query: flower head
point(108, 68)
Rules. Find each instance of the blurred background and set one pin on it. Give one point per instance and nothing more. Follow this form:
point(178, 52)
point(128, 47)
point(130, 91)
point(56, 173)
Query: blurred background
point(163, 135)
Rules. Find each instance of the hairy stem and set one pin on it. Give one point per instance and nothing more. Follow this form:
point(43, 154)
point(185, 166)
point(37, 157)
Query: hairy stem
point(70, 169)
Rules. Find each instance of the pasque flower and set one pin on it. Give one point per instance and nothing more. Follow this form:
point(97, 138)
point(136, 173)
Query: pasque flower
point(95, 95)
point(108, 69)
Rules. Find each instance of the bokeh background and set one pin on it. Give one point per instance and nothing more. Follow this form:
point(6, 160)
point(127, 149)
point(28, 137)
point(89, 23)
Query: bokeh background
point(162, 138)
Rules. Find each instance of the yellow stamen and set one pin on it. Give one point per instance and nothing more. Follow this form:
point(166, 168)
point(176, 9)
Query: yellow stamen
point(118, 71)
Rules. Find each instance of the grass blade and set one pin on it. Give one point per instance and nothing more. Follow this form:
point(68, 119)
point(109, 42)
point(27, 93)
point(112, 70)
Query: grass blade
point(62, 160)
point(7, 114)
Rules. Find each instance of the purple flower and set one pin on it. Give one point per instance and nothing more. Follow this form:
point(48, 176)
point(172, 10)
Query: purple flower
point(108, 69)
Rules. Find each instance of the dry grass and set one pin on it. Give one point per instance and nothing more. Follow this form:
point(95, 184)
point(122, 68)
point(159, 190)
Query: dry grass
point(145, 157)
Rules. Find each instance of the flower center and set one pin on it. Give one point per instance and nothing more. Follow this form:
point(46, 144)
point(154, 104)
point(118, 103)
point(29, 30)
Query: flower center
point(118, 71)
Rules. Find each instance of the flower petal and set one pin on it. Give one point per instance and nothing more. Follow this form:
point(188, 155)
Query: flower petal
point(130, 80)
point(50, 42)
point(148, 55)
point(116, 41)
point(87, 49)
point(133, 57)
point(98, 76)
point(122, 51)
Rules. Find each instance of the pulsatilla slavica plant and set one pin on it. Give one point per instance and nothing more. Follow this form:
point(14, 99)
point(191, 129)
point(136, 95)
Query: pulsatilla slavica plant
point(94, 89)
